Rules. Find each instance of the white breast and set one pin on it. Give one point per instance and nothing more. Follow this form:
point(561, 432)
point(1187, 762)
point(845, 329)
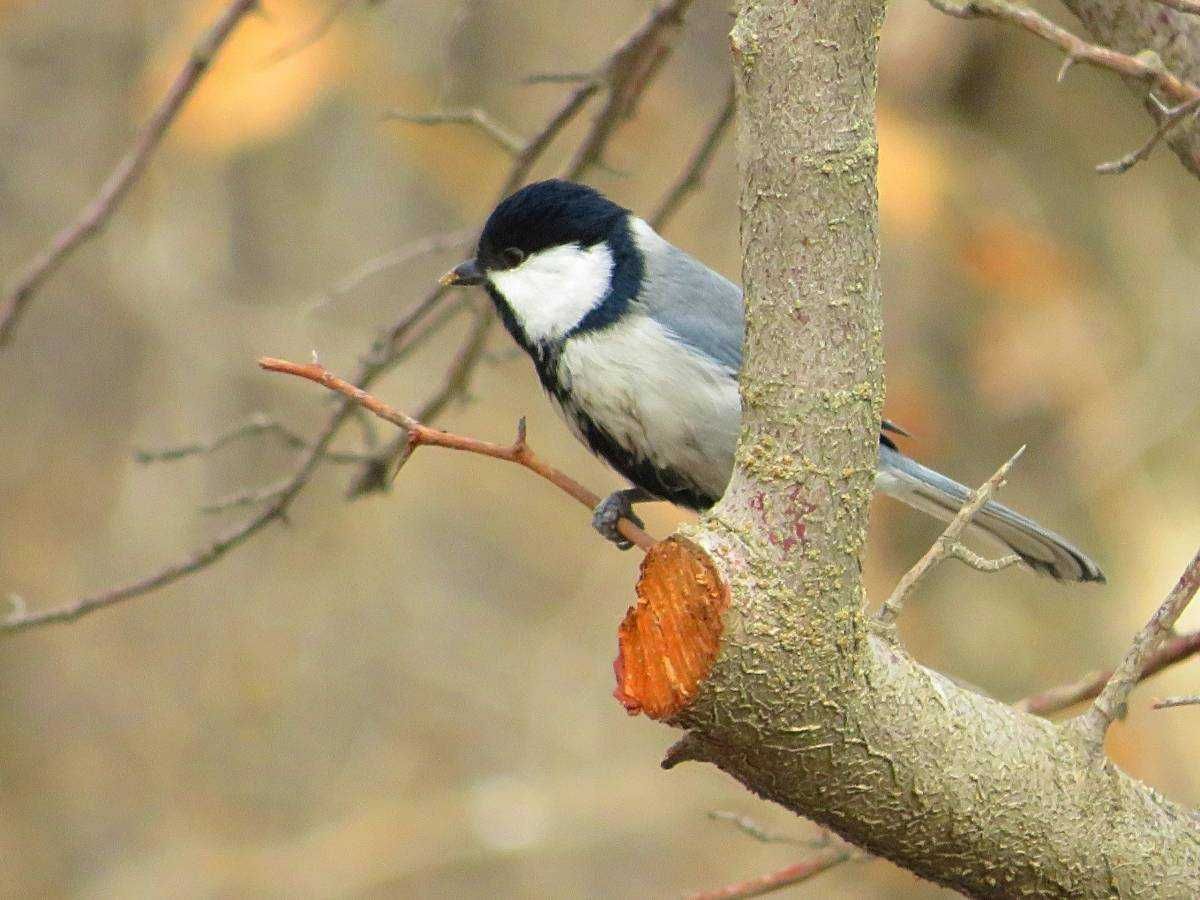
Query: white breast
point(662, 401)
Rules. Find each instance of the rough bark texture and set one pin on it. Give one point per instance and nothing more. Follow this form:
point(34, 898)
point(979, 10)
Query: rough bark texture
point(1134, 26)
point(803, 703)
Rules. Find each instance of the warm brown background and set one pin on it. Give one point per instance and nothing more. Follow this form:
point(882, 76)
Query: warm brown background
point(410, 695)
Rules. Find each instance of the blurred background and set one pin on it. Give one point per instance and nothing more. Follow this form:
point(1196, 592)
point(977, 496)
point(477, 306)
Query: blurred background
point(409, 695)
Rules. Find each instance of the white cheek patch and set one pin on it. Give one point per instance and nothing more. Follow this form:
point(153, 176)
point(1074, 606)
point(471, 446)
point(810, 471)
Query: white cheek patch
point(553, 289)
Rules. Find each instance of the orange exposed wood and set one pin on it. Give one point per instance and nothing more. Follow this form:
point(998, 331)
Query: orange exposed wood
point(671, 636)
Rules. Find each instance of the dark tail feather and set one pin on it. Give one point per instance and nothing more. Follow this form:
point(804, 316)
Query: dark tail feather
point(926, 490)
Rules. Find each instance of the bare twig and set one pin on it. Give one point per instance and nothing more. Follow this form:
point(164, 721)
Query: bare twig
point(1146, 66)
point(255, 426)
point(1168, 118)
point(479, 118)
point(625, 75)
point(434, 243)
point(94, 216)
point(1170, 702)
point(254, 497)
point(965, 554)
point(1110, 703)
point(386, 463)
point(420, 435)
point(751, 828)
point(1174, 649)
point(693, 174)
point(944, 547)
point(775, 881)
point(310, 36)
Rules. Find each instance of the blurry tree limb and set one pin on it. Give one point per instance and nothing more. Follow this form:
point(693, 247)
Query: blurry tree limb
point(1174, 649)
point(479, 118)
point(788, 876)
point(1146, 48)
point(253, 427)
point(1168, 118)
point(426, 246)
point(1160, 31)
point(94, 216)
point(1110, 702)
point(693, 175)
point(750, 630)
point(420, 435)
point(386, 350)
point(625, 75)
point(382, 466)
point(318, 30)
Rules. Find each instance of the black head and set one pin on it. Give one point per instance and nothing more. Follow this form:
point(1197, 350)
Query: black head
point(545, 214)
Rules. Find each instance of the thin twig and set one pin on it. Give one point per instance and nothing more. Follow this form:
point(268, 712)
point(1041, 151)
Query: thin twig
point(751, 828)
point(309, 37)
point(254, 497)
point(256, 425)
point(94, 216)
point(1146, 66)
point(1174, 650)
point(625, 75)
point(434, 243)
point(775, 881)
point(1110, 703)
point(965, 554)
point(474, 116)
point(1170, 702)
point(386, 463)
point(693, 174)
point(944, 546)
point(420, 435)
point(1168, 118)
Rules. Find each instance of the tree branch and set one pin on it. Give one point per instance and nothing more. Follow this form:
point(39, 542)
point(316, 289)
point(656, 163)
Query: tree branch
point(1173, 650)
point(419, 435)
point(788, 876)
point(1110, 703)
point(1144, 66)
point(480, 119)
point(94, 216)
point(693, 174)
point(946, 546)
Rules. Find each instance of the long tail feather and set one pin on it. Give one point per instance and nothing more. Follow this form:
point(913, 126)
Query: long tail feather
point(935, 494)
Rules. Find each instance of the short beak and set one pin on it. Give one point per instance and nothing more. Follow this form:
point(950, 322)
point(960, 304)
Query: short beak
point(463, 274)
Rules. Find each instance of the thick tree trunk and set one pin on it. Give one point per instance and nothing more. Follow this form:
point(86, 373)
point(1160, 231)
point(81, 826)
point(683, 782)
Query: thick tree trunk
point(750, 633)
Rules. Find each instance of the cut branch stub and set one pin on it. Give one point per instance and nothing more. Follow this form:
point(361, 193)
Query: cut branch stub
point(670, 637)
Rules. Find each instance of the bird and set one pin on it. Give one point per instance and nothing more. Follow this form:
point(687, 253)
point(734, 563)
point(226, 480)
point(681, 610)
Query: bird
point(639, 346)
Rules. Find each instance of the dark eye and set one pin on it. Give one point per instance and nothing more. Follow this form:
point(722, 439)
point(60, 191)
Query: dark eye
point(513, 257)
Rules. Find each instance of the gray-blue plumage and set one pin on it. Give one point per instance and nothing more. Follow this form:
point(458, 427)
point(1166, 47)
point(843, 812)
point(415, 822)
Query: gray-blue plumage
point(702, 307)
point(640, 344)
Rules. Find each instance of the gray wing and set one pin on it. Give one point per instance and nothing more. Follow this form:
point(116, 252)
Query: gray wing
point(700, 306)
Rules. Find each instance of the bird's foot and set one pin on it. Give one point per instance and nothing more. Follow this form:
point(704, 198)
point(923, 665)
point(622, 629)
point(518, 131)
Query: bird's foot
point(617, 505)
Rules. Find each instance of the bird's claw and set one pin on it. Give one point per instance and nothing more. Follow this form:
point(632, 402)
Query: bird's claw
point(608, 512)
